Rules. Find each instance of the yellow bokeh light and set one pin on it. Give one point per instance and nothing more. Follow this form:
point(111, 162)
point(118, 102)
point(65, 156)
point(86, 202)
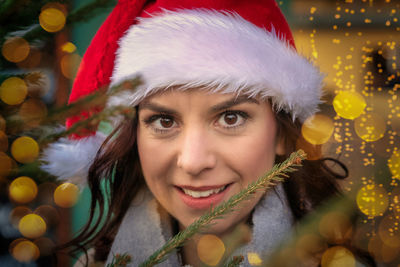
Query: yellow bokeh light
point(66, 195)
point(210, 249)
point(394, 163)
point(69, 65)
point(25, 149)
point(32, 112)
point(5, 164)
point(254, 259)
point(335, 227)
point(68, 47)
point(3, 141)
point(32, 226)
point(52, 19)
point(13, 91)
point(370, 127)
point(317, 129)
point(372, 200)
point(15, 49)
point(17, 213)
point(338, 257)
point(349, 105)
point(23, 190)
point(25, 251)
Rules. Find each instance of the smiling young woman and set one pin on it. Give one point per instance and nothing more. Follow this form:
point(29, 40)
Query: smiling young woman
point(222, 99)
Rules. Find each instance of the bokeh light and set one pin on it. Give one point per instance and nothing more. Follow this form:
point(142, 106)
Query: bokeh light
point(13, 91)
point(32, 226)
point(3, 141)
point(370, 127)
point(338, 256)
point(49, 214)
point(52, 19)
point(372, 200)
point(317, 129)
point(388, 231)
point(69, 65)
point(25, 149)
point(5, 164)
point(395, 201)
point(394, 163)
point(66, 195)
point(46, 192)
point(32, 60)
point(210, 249)
point(308, 245)
point(15, 49)
point(2, 124)
point(17, 213)
point(24, 251)
point(32, 112)
point(380, 251)
point(23, 190)
point(254, 259)
point(349, 105)
point(45, 245)
point(335, 227)
point(68, 47)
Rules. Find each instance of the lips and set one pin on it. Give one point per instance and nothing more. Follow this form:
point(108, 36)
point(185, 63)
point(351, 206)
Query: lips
point(202, 197)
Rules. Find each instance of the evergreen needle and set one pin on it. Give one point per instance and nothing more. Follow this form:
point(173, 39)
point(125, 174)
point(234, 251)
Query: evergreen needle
point(272, 177)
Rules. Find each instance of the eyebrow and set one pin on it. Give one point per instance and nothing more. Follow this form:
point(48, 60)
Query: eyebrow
point(220, 106)
point(233, 102)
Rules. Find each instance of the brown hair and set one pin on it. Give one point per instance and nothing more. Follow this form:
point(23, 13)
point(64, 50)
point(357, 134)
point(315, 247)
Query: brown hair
point(117, 164)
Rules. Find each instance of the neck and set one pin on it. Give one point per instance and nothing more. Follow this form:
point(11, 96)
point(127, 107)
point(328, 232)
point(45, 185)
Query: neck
point(231, 240)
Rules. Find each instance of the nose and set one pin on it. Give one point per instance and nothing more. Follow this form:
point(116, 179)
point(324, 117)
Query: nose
point(196, 152)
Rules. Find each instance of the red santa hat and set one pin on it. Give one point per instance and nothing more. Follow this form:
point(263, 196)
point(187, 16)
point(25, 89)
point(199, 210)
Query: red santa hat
point(220, 45)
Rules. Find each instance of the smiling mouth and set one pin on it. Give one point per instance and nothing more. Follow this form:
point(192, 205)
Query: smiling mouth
point(203, 193)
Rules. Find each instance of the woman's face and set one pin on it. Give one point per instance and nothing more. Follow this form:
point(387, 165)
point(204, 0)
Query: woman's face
point(198, 149)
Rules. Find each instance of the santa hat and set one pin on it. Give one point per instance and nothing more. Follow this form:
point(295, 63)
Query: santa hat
point(221, 45)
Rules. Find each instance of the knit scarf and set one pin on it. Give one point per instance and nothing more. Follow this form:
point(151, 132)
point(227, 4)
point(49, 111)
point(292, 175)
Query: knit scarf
point(146, 227)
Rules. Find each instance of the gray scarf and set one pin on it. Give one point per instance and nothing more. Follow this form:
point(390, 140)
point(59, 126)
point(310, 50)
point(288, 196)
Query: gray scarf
point(146, 227)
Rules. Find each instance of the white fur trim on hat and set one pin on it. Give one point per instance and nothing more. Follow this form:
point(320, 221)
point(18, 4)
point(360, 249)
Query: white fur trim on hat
point(219, 51)
point(69, 159)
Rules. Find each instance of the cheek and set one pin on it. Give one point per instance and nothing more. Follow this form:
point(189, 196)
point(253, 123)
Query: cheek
point(255, 155)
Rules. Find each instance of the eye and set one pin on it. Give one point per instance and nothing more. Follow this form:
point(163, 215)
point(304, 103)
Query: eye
point(232, 119)
point(161, 122)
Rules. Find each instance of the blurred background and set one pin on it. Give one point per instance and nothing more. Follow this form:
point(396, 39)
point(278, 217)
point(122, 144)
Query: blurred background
point(354, 42)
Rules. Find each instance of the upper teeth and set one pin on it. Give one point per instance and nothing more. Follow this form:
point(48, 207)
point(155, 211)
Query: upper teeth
point(198, 194)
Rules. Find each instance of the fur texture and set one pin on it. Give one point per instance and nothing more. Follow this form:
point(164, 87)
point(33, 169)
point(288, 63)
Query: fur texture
point(221, 52)
point(69, 159)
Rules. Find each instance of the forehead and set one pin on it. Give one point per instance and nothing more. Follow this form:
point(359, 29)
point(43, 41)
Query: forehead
point(197, 96)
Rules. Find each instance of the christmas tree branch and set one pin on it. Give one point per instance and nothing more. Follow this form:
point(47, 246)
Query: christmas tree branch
point(272, 177)
point(87, 103)
point(234, 262)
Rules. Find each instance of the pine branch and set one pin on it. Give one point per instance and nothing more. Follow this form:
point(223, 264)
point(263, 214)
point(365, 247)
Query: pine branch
point(234, 262)
point(120, 260)
point(272, 177)
point(97, 99)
